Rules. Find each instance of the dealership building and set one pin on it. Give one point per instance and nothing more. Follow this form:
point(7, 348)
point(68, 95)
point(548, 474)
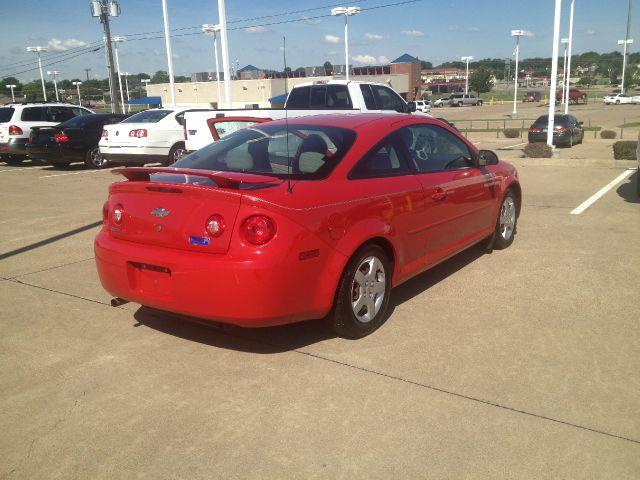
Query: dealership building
point(256, 88)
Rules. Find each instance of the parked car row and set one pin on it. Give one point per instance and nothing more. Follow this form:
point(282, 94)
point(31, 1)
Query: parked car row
point(621, 98)
point(458, 100)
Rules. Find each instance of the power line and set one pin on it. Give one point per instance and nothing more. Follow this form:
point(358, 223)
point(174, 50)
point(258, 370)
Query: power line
point(70, 51)
point(94, 49)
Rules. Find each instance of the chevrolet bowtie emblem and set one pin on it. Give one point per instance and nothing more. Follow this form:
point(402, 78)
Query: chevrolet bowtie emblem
point(160, 212)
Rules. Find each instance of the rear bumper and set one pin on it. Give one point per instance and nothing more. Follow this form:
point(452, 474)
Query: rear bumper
point(134, 154)
point(15, 146)
point(542, 137)
point(260, 291)
point(54, 154)
point(129, 158)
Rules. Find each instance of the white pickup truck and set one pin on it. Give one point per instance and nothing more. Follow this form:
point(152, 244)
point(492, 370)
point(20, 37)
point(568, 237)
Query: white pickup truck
point(311, 98)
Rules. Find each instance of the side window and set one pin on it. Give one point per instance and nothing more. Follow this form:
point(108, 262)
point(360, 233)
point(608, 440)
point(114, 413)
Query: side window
point(59, 114)
point(299, 98)
point(369, 100)
point(434, 149)
point(385, 160)
point(338, 96)
point(318, 96)
point(78, 112)
point(387, 99)
point(33, 114)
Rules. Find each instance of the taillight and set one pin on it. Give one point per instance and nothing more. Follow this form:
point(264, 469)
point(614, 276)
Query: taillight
point(138, 133)
point(215, 225)
point(15, 130)
point(61, 137)
point(105, 134)
point(534, 130)
point(118, 214)
point(258, 229)
point(560, 129)
point(105, 213)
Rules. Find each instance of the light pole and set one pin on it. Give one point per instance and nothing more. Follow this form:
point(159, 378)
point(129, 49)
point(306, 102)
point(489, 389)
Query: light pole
point(625, 42)
point(222, 15)
point(347, 12)
point(54, 73)
point(564, 42)
point(211, 30)
point(517, 34)
point(167, 42)
point(38, 50)
point(568, 75)
point(104, 9)
point(554, 71)
point(77, 85)
point(116, 40)
point(195, 91)
point(13, 97)
point(146, 84)
point(126, 85)
point(466, 83)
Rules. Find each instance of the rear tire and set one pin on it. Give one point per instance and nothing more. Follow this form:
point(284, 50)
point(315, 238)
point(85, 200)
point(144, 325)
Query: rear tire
point(362, 298)
point(175, 154)
point(13, 160)
point(93, 159)
point(479, 104)
point(460, 104)
point(507, 221)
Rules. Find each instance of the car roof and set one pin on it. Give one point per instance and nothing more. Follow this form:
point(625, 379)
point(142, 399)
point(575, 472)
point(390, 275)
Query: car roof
point(337, 82)
point(351, 121)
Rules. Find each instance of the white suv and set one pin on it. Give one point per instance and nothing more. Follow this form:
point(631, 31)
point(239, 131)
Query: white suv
point(423, 106)
point(16, 120)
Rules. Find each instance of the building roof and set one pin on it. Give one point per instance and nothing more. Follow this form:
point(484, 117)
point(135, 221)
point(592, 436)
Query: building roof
point(405, 58)
point(249, 68)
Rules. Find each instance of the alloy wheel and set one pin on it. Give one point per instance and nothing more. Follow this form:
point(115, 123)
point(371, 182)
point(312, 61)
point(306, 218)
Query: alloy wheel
point(368, 289)
point(507, 217)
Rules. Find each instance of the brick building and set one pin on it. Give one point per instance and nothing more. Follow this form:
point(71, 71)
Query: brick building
point(410, 66)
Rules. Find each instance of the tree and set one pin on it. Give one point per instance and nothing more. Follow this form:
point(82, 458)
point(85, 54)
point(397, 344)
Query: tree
point(630, 77)
point(328, 66)
point(587, 81)
point(424, 64)
point(160, 77)
point(300, 69)
point(480, 81)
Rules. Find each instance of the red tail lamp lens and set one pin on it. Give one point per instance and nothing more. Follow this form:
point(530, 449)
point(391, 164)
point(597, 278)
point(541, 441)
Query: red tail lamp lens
point(118, 214)
point(215, 226)
point(61, 137)
point(105, 212)
point(15, 130)
point(138, 133)
point(258, 229)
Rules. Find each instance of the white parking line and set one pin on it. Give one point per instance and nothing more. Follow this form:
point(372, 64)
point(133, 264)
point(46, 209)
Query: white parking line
point(594, 198)
point(74, 173)
point(511, 146)
point(20, 169)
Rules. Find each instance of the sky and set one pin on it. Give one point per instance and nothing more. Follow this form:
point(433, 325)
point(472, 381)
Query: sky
point(433, 30)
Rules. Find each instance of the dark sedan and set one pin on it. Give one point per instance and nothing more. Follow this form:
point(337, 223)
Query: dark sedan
point(75, 140)
point(567, 130)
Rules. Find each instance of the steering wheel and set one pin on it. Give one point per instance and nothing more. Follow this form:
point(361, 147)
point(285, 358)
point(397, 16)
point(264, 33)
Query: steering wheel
point(422, 147)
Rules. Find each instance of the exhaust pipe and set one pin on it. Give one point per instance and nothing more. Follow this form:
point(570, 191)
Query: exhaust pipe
point(117, 301)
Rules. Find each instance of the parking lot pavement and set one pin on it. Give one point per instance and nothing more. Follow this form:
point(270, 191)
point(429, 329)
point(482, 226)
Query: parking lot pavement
point(521, 363)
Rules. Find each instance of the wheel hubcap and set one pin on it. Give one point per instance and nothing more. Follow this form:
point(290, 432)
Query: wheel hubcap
point(368, 289)
point(96, 158)
point(177, 155)
point(507, 218)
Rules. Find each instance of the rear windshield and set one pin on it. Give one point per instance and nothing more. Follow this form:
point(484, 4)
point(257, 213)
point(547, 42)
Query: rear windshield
point(545, 119)
point(5, 114)
point(85, 121)
point(148, 116)
point(299, 151)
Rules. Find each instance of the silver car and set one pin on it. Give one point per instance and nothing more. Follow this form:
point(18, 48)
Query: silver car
point(461, 99)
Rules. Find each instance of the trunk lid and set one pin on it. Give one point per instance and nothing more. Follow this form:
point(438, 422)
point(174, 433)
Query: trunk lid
point(43, 135)
point(118, 134)
point(171, 207)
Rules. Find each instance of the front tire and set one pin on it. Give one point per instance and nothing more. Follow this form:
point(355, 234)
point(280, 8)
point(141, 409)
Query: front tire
point(460, 104)
point(363, 294)
point(507, 220)
point(13, 160)
point(93, 159)
point(175, 154)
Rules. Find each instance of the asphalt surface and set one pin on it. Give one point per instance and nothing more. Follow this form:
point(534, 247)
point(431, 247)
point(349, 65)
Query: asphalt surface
point(520, 363)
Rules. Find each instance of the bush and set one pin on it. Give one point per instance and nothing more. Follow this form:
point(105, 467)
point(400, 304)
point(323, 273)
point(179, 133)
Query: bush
point(511, 132)
point(538, 150)
point(608, 134)
point(624, 150)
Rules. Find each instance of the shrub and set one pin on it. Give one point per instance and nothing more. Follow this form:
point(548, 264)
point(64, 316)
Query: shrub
point(511, 132)
point(538, 150)
point(608, 134)
point(624, 150)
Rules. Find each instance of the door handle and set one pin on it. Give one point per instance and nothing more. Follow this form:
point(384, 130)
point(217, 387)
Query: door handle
point(439, 196)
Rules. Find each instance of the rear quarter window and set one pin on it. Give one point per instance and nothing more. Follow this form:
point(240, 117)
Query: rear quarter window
point(6, 114)
point(299, 98)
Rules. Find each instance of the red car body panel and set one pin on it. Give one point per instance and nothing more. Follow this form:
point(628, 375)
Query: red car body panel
point(422, 219)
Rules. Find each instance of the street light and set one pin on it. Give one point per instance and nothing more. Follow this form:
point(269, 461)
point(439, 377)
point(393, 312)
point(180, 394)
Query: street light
point(517, 34)
point(54, 73)
point(77, 85)
point(466, 84)
point(38, 50)
point(167, 41)
point(211, 30)
point(568, 75)
point(565, 42)
point(626, 42)
point(554, 71)
point(126, 83)
point(146, 84)
point(116, 40)
point(347, 12)
point(13, 97)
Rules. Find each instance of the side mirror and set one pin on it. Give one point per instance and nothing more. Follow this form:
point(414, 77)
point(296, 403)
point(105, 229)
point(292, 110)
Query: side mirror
point(487, 157)
point(411, 107)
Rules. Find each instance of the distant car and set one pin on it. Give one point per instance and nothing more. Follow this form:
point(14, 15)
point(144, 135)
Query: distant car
point(618, 99)
point(17, 119)
point(423, 106)
point(441, 102)
point(461, 99)
point(155, 135)
point(531, 97)
point(575, 96)
point(75, 140)
point(567, 130)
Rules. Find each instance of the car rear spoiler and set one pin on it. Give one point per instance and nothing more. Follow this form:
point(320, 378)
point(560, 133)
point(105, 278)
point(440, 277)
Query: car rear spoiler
point(222, 179)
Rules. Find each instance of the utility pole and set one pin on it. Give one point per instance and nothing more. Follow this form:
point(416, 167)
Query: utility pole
point(87, 70)
point(105, 9)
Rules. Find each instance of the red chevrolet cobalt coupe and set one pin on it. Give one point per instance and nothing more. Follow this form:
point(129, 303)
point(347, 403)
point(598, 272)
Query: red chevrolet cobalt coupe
point(314, 218)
